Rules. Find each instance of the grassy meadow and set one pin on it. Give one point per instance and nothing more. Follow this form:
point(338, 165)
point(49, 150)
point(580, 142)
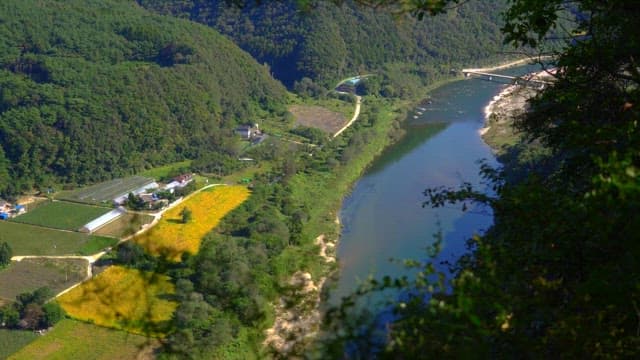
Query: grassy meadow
point(14, 340)
point(171, 238)
point(71, 339)
point(163, 172)
point(62, 215)
point(30, 274)
point(26, 239)
point(123, 298)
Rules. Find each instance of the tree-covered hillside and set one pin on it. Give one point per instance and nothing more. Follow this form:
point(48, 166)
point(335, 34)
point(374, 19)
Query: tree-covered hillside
point(327, 41)
point(91, 90)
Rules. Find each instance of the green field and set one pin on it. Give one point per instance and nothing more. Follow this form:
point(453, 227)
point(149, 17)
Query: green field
point(14, 340)
point(71, 339)
point(30, 274)
point(27, 239)
point(62, 215)
point(105, 191)
point(163, 172)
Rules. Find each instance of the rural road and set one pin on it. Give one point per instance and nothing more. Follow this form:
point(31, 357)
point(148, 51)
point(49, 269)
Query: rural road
point(353, 119)
point(93, 258)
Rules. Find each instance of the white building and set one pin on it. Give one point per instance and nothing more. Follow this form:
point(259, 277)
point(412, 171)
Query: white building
point(103, 220)
point(122, 198)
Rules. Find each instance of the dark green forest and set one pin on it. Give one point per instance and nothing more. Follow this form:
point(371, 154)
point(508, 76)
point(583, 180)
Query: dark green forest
point(92, 90)
point(557, 275)
point(325, 41)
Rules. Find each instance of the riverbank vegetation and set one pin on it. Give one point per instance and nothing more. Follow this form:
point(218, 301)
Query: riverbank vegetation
point(557, 274)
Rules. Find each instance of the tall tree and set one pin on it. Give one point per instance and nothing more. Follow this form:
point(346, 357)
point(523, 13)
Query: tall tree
point(5, 254)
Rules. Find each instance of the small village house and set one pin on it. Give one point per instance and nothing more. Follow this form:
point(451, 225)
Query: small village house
point(247, 131)
point(179, 182)
point(122, 198)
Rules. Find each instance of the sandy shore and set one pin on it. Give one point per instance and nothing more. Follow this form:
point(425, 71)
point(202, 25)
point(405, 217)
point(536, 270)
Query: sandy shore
point(511, 99)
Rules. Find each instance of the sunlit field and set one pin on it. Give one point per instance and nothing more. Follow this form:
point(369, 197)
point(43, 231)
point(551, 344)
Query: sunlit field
point(171, 237)
point(123, 298)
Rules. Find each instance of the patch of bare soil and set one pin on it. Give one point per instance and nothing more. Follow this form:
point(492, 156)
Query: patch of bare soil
point(318, 117)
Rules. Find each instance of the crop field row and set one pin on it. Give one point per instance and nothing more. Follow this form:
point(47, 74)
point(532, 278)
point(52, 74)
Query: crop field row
point(27, 239)
point(318, 117)
point(13, 340)
point(125, 225)
point(62, 215)
point(171, 238)
point(106, 191)
point(30, 274)
point(123, 298)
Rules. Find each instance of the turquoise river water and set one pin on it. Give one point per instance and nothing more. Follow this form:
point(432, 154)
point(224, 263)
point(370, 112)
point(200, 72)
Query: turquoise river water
point(383, 218)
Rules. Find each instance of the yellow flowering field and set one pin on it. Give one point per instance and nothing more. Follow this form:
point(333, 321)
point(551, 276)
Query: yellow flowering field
point(171, 238)
point(123, 298)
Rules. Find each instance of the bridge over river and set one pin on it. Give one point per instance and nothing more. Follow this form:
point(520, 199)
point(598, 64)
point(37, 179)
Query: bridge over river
point(516, 80)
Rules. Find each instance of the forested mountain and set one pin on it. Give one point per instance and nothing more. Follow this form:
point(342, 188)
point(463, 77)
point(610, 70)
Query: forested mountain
point(96, 89)
point(327, 42)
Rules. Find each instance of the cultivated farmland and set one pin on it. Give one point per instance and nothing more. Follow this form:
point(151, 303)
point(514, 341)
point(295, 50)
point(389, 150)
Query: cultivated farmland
point(106, 191)
point(171, 238)
point(72, 339)
point(34, 240)
point(318, 117)
point(125, 225)
point(30, 274)
point(62, 215)
point(164, 172)
point(123, 298)
point(13, 340)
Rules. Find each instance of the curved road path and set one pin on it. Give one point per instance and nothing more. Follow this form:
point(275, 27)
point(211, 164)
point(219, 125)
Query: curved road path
point(93, 258)
point(353, 119)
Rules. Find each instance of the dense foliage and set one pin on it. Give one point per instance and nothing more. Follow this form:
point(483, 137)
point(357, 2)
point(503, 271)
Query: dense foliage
point(557, 276)
point(227, 289)
point(5, 254)
point(327, 41)
point(91, 90)
point(31, 311)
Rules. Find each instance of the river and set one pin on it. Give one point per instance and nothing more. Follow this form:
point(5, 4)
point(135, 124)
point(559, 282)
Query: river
point(383, 218)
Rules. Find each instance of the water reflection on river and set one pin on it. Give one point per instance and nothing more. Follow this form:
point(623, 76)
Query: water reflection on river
point(384, 217)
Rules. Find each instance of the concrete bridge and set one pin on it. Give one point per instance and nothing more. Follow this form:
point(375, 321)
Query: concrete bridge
point(524, 81)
